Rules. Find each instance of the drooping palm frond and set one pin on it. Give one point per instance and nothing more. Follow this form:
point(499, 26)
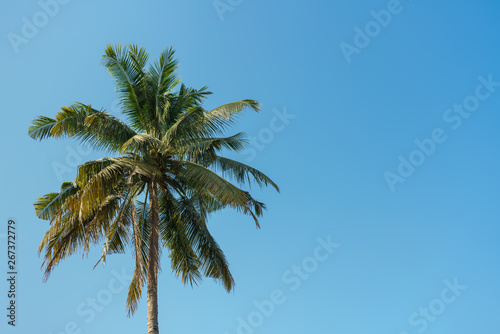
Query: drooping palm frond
point(185, 262)
point(69, 122)
point(41, 127)
point(96, 128)
point(243, 174)
point(70, 234)
point(140, 236)
point(204, 181)
point(48, 205)
point(213, 261)
point(96, 187)
point(203, 148)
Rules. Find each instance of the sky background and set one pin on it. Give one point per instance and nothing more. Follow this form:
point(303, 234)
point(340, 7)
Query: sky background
point(350, 122)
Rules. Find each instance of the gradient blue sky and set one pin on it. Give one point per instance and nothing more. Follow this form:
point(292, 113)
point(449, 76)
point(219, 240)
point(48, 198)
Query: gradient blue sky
point(352, 123)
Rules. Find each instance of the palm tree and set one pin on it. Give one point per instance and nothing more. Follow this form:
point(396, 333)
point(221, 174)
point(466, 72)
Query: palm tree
point(164, 178)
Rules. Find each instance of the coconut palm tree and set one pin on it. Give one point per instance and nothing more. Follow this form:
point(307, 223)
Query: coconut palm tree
point(164, 177)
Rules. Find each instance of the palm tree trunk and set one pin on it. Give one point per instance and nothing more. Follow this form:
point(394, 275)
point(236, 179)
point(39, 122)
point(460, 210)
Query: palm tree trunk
point(152, 289)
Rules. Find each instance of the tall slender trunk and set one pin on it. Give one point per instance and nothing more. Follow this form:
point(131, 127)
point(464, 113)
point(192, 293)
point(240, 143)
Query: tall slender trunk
point(152, 289)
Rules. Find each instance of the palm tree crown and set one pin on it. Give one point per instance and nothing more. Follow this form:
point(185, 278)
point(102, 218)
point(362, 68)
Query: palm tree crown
point(164, 177)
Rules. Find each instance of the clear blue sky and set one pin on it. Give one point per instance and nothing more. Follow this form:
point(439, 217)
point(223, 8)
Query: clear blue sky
point(357, 100)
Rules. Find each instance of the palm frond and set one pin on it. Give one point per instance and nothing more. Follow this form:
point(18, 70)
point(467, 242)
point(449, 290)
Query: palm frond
point(222, 117)
point(162, 79)
point(192, 149)
point(41, 127)
point(184, 100)
point(48, 205)
point(143, 143)
point(129, 80)
point(185, 262)
point(213, 261)
point(243, 174)
point(141, 261)
point(107, 132)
